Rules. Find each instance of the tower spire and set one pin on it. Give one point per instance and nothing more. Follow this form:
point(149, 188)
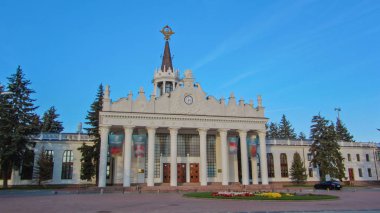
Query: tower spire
point(167, 58)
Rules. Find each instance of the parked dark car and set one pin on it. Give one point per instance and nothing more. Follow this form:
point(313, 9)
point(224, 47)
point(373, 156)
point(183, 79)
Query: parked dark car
point(328, 185)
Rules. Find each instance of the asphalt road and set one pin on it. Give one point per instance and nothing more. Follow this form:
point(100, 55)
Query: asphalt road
point(351, 200)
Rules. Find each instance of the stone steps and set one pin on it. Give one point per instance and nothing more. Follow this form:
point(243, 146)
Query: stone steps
point(188, 187)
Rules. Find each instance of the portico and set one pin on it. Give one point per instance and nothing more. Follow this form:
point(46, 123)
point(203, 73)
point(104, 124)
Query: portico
point(181, 134)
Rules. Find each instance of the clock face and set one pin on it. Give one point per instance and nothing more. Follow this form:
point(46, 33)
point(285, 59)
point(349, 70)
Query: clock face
point(188, 99)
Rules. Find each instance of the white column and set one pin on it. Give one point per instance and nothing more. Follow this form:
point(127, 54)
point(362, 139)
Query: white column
point(203, 156)
point(128, 130)
point(244, 157)
point(224, 149)
point(188, 168)
point(104, 130)
point(151, 138)
point(173, 156)
point(263, 159)
point(164, 88)
point(155, 89)
point(255, 177)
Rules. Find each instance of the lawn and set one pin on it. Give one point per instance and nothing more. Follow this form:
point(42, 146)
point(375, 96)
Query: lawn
point(284, 197)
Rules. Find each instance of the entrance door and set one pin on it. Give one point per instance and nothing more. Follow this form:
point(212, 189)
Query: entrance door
point(166, 173)
point(181, 172)
point(194, 172)
point(351, 174)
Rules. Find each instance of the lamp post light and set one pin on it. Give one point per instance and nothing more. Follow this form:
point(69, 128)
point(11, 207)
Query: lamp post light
point(338, 109)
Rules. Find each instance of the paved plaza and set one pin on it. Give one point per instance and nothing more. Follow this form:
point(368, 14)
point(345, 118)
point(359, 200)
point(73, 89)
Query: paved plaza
point(351, 200)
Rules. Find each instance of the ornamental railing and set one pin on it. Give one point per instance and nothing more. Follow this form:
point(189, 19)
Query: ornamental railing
point(309, 142)
point(62, 137)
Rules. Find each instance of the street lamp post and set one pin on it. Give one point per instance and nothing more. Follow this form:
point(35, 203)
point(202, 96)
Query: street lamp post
point(338, 109)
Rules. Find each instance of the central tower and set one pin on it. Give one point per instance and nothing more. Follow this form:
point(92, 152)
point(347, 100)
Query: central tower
point(165, 79)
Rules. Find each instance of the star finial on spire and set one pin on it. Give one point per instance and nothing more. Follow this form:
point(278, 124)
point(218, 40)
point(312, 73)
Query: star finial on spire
point(167, 31)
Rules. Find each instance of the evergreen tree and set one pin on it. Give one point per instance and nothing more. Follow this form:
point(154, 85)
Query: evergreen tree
point(272, 132)
point(93, 131)
point(18, 122)
point(44, 168)
point(325, 149)
point(342, 132)
point(301, 136)
point(87, 162)
point(49, 122)
point(285, 129)
point(298, 170)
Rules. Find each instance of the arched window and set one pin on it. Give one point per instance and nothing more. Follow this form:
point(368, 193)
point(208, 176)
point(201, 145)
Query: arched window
point(67, 164)
point(270, 165)
point(50, 157)
point(284, 165)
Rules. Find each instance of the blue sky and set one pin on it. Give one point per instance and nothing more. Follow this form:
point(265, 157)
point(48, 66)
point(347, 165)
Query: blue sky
point(304, 57)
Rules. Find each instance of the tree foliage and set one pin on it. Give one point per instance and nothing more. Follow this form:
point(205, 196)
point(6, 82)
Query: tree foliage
point(301, 136)
point(50, 123)
point(18, 121)
point(342, 132)
point(325, 149)
point(87, 162)
point(93, 131)
point(297, 170)
point(272, 132)
point(285, 130)
point(43, 169)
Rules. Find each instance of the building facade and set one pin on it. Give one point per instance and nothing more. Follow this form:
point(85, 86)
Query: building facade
point(361, 162)
point(186, 131)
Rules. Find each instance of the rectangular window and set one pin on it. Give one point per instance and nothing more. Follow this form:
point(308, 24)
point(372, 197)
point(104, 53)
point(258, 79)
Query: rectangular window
point(369, 172)
point(367, 157)
point(309, 156)
point(50, 157)
point(27, 165)
point(270, 165)
point(162, 147)
point(188, 144)
point(360, 173)
point(349, 157)
point(310, 172)
point(284, 165)
point(211, 156)
point(67, 164)
point(357, 157)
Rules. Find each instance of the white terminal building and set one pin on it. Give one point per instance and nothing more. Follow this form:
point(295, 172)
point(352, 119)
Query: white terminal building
point(181, 135)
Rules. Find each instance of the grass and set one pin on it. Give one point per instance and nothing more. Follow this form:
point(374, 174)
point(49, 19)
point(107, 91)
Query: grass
point(305, 197)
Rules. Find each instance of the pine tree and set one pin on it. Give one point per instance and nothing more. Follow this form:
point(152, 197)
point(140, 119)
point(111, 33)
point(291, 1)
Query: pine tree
point(49, 122)
point(298, 170)
point(301, 136)
point(18, 122)
point(285, 129)
point(272, 132)
point(325, 149)
point(43, 170)
point(87, 162)
point(342, 132)
point(93, 131)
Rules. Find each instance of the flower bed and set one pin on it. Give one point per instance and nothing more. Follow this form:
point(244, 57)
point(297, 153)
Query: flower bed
point(232, 194)
point(259, 196)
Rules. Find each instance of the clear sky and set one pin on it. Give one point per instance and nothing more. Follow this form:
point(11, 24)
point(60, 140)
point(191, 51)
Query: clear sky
point(304, 57)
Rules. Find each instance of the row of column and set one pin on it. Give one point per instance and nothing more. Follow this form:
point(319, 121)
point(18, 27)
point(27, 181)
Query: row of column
point(127, 153)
